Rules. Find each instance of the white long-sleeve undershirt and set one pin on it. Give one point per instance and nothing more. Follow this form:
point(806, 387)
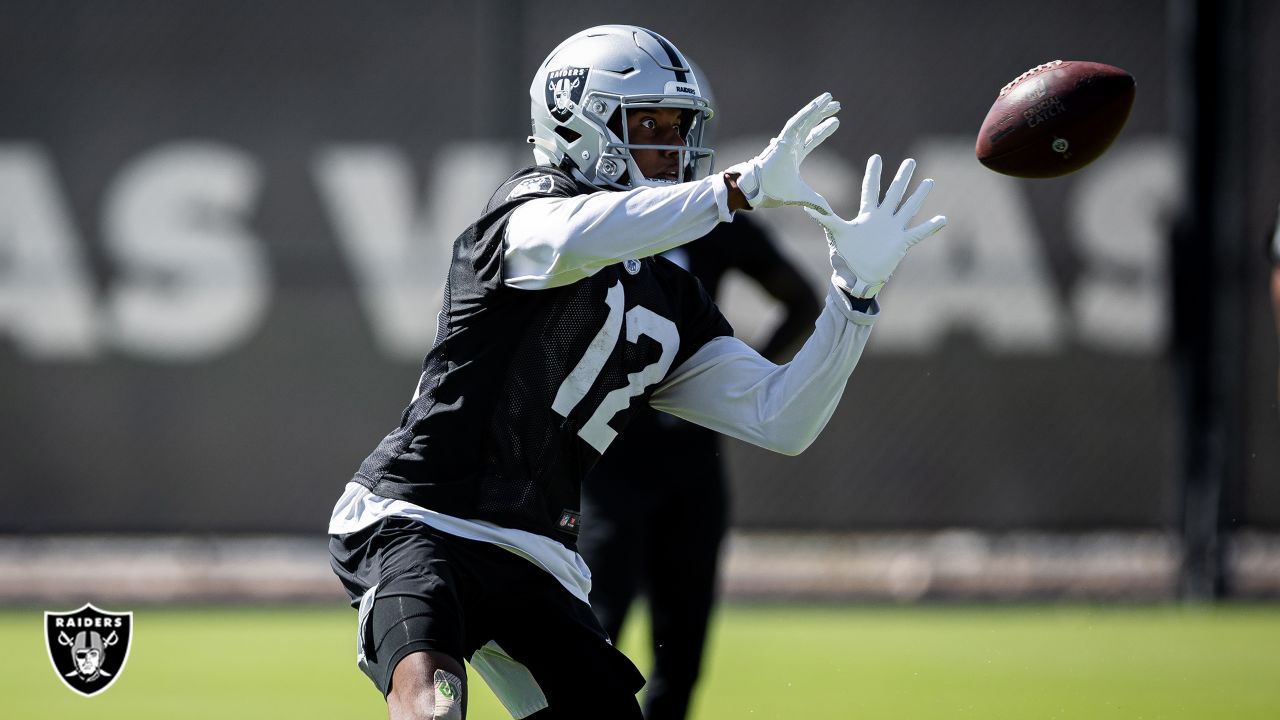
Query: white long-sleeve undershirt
point(729, 387)
point(552, 242)
point(726, 385)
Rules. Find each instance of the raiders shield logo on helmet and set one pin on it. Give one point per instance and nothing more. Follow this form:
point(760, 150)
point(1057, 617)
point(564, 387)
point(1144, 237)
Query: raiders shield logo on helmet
point(88, 647)
point(564, 91)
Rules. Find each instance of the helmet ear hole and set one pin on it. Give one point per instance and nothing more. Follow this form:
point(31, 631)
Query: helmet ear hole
point(686, 123)
point(568, 134)
point(615, 122)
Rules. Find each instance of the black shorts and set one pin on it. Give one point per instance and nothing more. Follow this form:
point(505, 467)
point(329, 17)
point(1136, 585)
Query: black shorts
point(536, 644)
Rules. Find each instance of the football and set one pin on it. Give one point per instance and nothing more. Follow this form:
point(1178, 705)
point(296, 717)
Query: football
point(1055, 118)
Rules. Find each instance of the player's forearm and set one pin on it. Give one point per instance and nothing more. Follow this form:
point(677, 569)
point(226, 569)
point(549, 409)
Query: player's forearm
point(727, 387)
point(557, 241)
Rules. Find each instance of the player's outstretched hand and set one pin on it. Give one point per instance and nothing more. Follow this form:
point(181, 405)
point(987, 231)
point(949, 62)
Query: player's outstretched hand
point(772, 178)
point(866, 250)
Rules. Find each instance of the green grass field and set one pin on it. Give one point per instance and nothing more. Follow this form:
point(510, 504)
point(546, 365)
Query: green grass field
point(766, 662)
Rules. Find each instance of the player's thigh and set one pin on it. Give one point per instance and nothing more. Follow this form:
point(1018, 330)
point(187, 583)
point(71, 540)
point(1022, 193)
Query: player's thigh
point(558, 641)
point(413, 599)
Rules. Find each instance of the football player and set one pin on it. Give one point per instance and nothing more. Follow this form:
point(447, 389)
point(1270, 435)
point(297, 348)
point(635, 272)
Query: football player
point(456, 538)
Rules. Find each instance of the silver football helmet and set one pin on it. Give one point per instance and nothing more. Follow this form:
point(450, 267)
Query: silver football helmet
point(595, 77)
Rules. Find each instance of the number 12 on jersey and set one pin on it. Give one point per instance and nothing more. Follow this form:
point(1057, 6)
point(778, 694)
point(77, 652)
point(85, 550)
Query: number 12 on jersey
point(638, 321)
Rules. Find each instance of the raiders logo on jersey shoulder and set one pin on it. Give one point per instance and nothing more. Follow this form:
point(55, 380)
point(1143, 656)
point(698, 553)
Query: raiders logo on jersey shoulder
point(530, 185)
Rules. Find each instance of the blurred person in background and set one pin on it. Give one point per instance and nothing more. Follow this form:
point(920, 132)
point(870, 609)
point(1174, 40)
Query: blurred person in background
point(457, 537)
point(1273, 250)
point(655, 508)
point(634, 497)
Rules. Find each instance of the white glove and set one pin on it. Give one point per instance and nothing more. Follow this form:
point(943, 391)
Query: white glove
point(772, 178)
point(866, 250)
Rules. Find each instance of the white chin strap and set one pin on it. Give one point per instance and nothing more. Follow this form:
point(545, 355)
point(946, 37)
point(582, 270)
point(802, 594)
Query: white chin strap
point(544, 144)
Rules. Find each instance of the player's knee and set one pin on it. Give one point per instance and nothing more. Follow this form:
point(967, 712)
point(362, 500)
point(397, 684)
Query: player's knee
point(423, 691)
point(447, 689)
point(439, 700)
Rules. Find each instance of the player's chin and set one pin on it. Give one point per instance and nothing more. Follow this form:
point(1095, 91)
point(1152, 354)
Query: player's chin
point(659, 177)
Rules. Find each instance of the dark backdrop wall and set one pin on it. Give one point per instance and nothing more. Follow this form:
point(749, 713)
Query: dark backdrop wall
point(223, 229)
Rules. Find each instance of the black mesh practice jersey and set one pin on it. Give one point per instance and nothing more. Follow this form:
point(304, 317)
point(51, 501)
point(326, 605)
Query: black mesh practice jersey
point(524, 389)
point(740, 245)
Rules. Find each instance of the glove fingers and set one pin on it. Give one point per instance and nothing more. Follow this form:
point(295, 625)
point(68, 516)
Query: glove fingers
point(831, 109)
point(816, 136)
point(871, 184)
point(800, 123)
point(913, 203)
point(898, 188)
point(924, 230)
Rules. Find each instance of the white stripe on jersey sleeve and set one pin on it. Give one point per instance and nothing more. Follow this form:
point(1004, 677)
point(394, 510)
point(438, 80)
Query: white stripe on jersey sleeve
point(730, 388)
point(552, 242)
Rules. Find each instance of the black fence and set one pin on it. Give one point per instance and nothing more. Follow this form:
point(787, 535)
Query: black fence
point(223, 228)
